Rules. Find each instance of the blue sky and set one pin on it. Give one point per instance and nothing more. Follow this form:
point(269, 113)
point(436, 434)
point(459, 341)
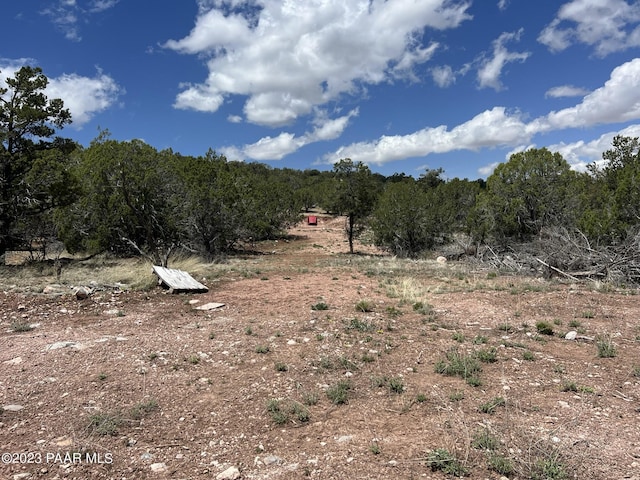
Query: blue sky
point(402, 85)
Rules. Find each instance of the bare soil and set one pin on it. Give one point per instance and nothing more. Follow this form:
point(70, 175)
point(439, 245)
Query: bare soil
point(142, 385)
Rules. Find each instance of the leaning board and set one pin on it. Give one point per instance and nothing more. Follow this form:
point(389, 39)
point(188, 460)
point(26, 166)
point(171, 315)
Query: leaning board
point(178, 281)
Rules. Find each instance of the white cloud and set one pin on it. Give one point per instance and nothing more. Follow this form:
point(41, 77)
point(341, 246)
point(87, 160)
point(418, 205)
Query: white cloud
point(443, 76)
point(488, 169)
point(503, 4)
point(618, 100)
point(606, 25)
point(276, 148)
point(491, 68)
point(300, 55)
point(566, 91)
point(83, 96)
point(234, 119)
point(580, 154)
point(491, 128)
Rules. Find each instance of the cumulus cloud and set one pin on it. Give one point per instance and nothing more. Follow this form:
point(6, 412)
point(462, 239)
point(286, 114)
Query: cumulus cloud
point(580, 154)
point(491, 128)
point(490, 69)
point(289, 57)
point(617, 101)
point(276, 148)
point(83, 96)
point(605, 25)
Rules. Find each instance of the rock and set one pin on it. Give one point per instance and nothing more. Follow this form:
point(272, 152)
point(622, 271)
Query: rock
point(158, 467)
point(12, 408)
point(441, 259)
point(54, 290)
point(21, 476)
point(344, 439)
point(571, 335)
point(270, 459)
point(59, 345)
point(82, 293)
point(231, 473)
point(13, 361)
point(210, 306)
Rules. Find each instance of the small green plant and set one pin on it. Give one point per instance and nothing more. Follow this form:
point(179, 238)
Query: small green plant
point(491, 405)
point(559, 369)
point(152, 356)
point(262, 349)
point(375, 448)
point(488, 355)
point(300, 412)
point(575, 324)
point(212, 335)
point(102, 376)
point(458, 337)
point(636, 371)
point(544, 328)
point(281, 367)
point(569, 386)
point(248, 331)
point(423, 308)
point(505, 327)
point(365, 306)
point(501, 465)
point(480, 340)
point(441, 459)
point(339, 392)
point(549, 469)
point(366, 358)
point(396, 385)
point(483, 439)
point(379, 381)
point(320, 306)
point(588, 314)
point(144, 408)
point(528, 356)
point(421, 398)
point(361, 325)
point(393, 311)
point(278, 414)
point(456, 396)
point(606, 347)
point(310, 398)
point(458, 364)
point(194, 359)
point(104, 423)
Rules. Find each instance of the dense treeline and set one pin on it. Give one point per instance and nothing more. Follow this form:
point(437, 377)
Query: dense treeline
point(129, 198)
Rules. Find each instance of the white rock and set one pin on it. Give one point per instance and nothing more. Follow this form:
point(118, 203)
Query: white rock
point(210, 306)
point(13, 361)
point(158, 467)
point(441, 259)
point(231, 473)
point(571, 335)
point(21, 476)
point(12, 408)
